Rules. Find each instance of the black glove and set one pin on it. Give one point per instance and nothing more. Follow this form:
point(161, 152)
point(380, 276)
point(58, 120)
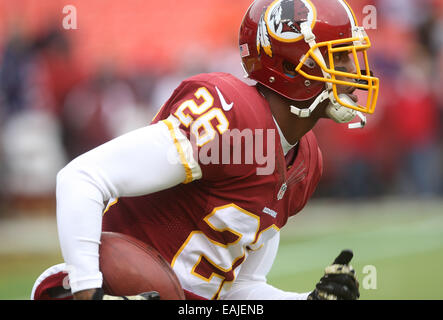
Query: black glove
point(339, 281)
point(151, 295)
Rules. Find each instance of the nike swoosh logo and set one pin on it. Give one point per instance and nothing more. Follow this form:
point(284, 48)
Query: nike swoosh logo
point(225, 105)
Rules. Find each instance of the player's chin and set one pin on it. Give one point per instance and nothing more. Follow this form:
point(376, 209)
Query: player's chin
point(347, 90)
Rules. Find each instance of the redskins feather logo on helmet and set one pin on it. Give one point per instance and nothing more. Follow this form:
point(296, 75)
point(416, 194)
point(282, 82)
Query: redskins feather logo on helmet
point(282, 20)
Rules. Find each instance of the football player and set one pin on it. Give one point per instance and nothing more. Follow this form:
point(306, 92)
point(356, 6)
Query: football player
point(223, 165)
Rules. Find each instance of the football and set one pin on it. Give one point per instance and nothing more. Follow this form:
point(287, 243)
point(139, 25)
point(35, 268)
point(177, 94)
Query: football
point(130, 267)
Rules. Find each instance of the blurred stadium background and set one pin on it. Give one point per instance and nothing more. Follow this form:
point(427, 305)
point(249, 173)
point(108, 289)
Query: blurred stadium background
point(65, 91)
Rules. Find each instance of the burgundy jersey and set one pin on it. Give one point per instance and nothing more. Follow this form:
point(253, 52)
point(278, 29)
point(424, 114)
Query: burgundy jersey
point(205, 228)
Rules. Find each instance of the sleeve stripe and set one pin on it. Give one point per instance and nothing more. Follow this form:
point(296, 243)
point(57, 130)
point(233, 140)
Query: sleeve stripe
point(189, 177)
point(110, 204)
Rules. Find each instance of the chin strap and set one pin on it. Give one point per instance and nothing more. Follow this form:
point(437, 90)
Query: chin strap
point(358, 125)
point(334, 110)
point(341, 114)
point(306, 113)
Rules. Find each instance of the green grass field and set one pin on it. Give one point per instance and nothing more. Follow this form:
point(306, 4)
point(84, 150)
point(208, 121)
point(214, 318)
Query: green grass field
point(403, 240)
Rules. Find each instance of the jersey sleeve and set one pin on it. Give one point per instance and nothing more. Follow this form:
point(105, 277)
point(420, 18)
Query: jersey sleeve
point(133, 164)
point(202, 112)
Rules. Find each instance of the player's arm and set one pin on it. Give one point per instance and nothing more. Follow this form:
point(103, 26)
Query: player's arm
point(339, 281)
point(251, 284)
point(144, 161)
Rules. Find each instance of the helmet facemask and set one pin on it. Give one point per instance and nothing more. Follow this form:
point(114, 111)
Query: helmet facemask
point(333, 77)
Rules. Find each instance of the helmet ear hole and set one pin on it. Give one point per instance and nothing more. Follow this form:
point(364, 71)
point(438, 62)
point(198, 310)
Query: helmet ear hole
point(289, 69)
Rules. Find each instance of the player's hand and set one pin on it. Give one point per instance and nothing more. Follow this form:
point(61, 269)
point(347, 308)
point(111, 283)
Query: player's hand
point(98, 294)
point(339, 281)
point(151, 295)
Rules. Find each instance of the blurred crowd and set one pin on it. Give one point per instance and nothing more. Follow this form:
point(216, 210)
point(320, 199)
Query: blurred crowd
point(52, 110)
